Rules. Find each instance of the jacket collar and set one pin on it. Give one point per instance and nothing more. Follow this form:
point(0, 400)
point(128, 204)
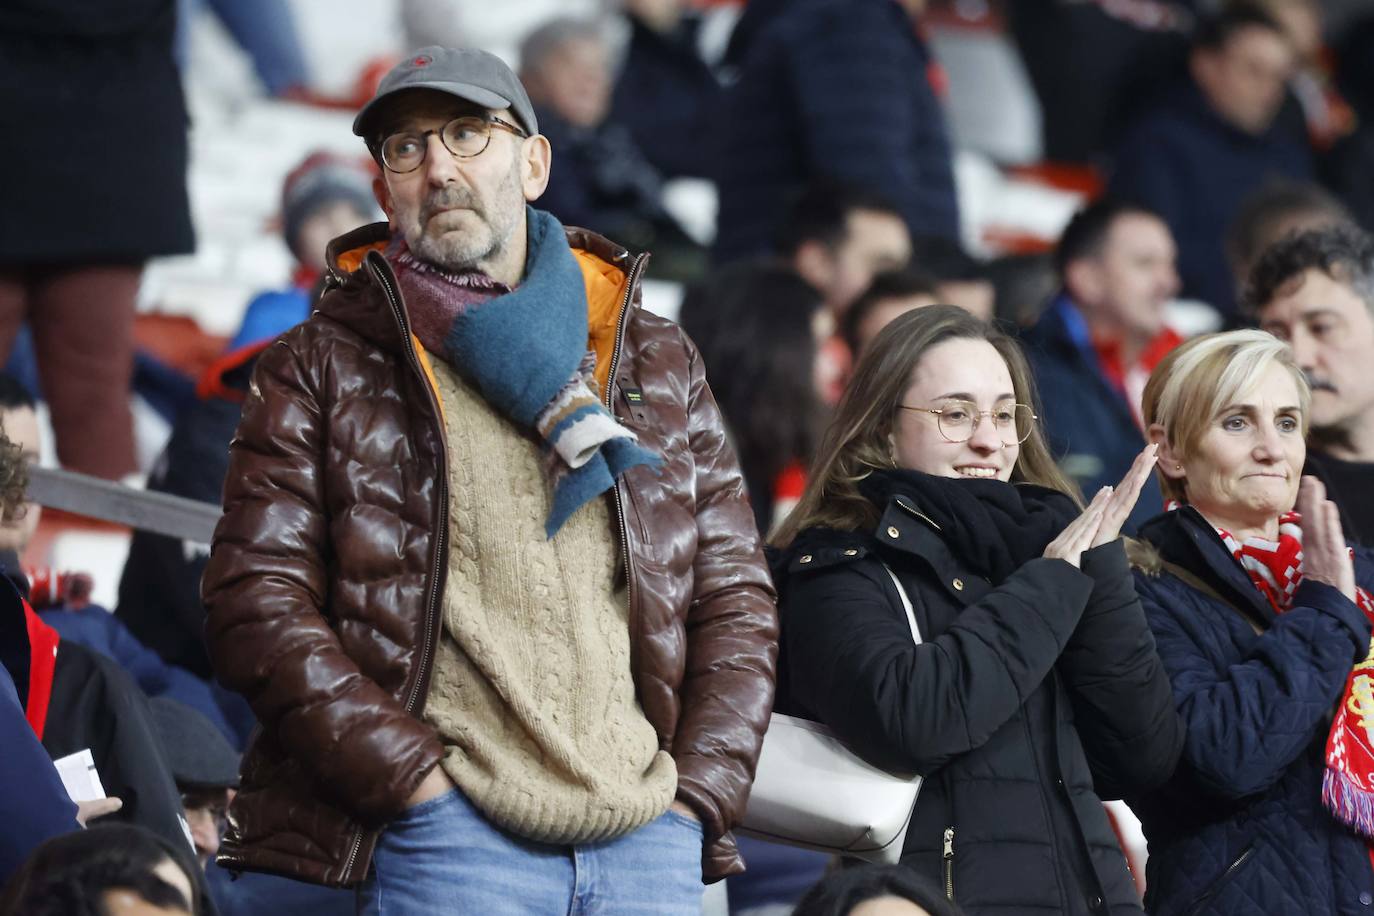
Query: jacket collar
point(1185, 538)
point(903, 536)
point(904, 531)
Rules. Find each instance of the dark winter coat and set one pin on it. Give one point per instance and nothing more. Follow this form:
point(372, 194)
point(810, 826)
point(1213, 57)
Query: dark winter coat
point(668, 99)
point(1194, 169)
point(834, 89)
point(95, 123)
point(324, 582)
point(1026, 705)
point(1091, 430)
point(95, 705)
point(33, 804)
point(1241, 828)
point(603, 181)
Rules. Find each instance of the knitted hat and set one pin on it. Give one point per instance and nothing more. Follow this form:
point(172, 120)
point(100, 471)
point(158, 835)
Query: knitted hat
point(323, 179)
point(195, 749)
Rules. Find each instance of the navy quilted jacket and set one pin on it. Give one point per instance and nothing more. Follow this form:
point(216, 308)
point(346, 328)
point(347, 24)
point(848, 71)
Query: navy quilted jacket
point(1241, 827)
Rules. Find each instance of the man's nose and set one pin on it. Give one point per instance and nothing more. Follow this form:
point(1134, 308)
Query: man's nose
point(440, 166)
point(206, 836)
point(1169, 281)
point(1304, 349)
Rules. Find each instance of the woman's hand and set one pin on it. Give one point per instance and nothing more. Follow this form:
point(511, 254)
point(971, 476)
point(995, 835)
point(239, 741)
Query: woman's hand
point(1078, 535)
point(1124, 497)
point(1325, 556)
point(1101, 522)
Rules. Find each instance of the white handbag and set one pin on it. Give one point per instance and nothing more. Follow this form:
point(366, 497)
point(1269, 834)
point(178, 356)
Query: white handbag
point(810, 790)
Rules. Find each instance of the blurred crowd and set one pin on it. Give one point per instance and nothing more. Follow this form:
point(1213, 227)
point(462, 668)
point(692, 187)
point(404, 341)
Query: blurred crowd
point(1195, 135)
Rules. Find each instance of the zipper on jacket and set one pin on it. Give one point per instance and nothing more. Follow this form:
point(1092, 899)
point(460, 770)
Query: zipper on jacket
point(619, 500)
point(441, 531)
point(1218, 884)
point(440, 534)
point(921, 515)
point(949, 864)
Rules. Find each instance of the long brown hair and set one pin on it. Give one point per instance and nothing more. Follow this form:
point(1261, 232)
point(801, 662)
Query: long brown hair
point(856, 443)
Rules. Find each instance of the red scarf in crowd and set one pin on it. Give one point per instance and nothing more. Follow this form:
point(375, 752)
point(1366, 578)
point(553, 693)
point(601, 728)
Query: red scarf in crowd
point(1348, 785)
point(43, 642)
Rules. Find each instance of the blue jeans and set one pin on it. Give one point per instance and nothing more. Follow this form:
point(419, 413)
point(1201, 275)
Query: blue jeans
point(444, 856)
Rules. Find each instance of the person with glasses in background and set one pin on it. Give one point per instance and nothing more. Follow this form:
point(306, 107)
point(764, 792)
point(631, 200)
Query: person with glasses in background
point(487, 573)
point(1036, 691)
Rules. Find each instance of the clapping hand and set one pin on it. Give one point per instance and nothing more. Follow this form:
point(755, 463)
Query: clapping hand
point(1326, 558)
point(1101, 521)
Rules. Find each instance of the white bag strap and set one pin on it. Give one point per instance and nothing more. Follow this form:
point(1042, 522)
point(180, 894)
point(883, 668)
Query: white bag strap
point(906, 603)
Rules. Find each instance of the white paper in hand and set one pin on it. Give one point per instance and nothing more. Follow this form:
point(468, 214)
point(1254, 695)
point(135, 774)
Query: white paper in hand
point(79, 777)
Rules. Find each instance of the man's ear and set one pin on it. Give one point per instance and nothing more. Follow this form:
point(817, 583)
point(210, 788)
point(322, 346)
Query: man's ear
point(536, 160)
point(1202, 67)
point(1083, 281)
point(383, 196)
point(814, 263)
point(1167, 459)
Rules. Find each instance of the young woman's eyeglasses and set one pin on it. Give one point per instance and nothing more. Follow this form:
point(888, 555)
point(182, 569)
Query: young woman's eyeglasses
point(464, 137)
point(958, 420)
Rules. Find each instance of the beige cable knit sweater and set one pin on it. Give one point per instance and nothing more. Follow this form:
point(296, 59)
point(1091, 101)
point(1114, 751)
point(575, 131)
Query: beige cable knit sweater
point(531, 689)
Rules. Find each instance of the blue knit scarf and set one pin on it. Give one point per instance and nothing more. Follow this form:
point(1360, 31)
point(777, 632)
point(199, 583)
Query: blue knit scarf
point(526, 352)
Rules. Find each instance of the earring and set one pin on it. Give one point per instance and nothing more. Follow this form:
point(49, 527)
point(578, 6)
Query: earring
point(1178, 467)
point(893, 459)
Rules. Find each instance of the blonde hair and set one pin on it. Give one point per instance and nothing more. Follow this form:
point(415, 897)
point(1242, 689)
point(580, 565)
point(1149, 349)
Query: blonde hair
point(1200, 378)
point(856, 443)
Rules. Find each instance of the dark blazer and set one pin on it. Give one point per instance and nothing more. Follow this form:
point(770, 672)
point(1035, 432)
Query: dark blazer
point(1025, 705)
point(1241, 827)
point(833, 89)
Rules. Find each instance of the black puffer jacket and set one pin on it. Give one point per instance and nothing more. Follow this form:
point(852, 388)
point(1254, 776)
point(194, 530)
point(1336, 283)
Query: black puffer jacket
point(1025, 705)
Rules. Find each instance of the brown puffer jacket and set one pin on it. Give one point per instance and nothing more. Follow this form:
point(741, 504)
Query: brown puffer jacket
point(324, 583)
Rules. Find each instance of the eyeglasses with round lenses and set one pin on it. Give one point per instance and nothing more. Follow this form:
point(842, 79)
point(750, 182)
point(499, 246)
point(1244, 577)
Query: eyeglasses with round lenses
point(958, 420)
point(464, 137)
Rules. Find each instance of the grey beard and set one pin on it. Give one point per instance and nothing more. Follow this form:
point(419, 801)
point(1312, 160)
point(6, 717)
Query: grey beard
point(454, 252)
